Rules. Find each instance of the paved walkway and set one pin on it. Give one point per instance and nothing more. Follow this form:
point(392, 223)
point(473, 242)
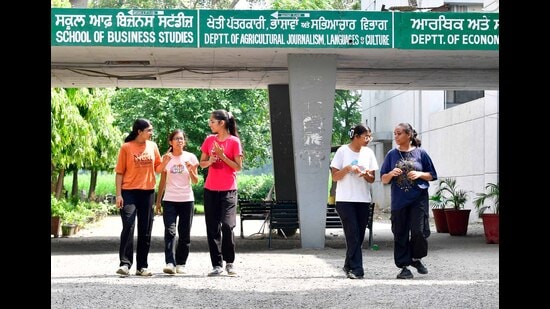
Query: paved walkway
point(464, 273)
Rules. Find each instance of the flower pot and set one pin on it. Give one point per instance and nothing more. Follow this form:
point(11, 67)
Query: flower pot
point(457, 221)
point(56, 226)
point(491, 224)
point(68, 229)
point(440, 220)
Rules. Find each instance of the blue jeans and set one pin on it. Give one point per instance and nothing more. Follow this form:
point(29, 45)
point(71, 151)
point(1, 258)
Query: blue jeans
point(178, 254)
point(354, 217)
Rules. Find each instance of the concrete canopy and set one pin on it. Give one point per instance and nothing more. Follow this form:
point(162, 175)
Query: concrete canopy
point(256, 68)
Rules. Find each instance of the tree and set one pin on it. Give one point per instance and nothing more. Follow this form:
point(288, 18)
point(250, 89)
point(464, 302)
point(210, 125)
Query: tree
point(347, 113)
point(108, 137)
point(166, 4)
point(71, 136)
point(82, 135)
point(60, 4)
point(189, 110)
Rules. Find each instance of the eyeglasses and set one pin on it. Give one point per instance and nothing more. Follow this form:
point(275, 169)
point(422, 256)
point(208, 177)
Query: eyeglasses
point(178, 138)
point(149, 130)
point(214, 121)
point(368, 137)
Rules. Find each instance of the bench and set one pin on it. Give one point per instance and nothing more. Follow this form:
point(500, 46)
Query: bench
point(333, 220)
point(253, 210)
point(283, 216)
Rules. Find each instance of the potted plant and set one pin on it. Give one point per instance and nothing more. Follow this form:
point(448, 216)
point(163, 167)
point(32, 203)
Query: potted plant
point(457, 217)
point(491, 220)
point(438, 210)
point(57, 211)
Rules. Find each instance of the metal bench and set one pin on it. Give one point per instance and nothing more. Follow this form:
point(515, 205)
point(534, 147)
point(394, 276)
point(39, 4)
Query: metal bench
point(283, 216)
point(254, 210)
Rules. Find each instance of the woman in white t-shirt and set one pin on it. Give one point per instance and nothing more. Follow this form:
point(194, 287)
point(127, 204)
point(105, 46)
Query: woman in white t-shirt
point(176, 192)
point(353, 169)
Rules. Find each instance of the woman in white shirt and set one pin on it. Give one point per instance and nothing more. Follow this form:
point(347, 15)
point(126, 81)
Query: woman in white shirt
point(353, 169)
point(177, 174)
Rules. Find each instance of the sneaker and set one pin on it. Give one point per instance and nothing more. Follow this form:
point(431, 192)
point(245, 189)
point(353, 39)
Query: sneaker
point(216, 271)
point(419, 267)
point(351, 275)
point(230, 269)
point(123, 270)
point(143, 272)
point(180, 269)
point(346, 269)
point(405, 274)
point(169, 269)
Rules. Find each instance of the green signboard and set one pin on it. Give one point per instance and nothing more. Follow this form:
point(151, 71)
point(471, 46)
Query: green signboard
point(274, 29)
point(303, 29)
point(431, 30)
point(124, 27)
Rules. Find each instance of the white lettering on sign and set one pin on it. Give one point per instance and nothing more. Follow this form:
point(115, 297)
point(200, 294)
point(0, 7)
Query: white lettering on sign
point(283, 24)
point(175, 37)
point(367, 24)
point(69, 21)
point(101, 20)
point(134, 21)
point(177, 21)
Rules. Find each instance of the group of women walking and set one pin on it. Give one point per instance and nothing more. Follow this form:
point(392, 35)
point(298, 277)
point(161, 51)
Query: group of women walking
point(407, 167)
point(138, 163)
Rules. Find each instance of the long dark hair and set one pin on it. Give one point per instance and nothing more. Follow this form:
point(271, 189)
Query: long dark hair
point(409, 129)
point(139, 124)
point(227, 117)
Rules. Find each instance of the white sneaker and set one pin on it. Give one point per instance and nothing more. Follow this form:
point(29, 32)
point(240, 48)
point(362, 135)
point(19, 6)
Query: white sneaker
point(143, 272)
point(230, 269)
point(216, 271)
point(180, 269)
point(123, 270)
point(169, 269)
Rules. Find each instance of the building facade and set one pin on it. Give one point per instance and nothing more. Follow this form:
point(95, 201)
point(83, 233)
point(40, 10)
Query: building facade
point(458, 128)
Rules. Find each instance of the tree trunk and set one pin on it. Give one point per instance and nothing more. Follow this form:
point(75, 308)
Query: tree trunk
point(93, 184)
point(74, 191)
point(59, 186)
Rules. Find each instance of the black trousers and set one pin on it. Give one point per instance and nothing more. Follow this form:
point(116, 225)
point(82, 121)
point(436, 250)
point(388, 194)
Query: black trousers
point(177, 253)
point(410, 228)
point(354, 217)
point(220, 215)
point(136, 203)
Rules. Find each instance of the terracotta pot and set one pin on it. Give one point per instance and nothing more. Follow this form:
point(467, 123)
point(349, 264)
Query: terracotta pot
point(440, 220)
point(491, 224)
point(457, 221)
point(56, 226)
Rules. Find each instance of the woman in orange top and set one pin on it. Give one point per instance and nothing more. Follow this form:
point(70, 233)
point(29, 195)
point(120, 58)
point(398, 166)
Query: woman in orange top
point(135, 188)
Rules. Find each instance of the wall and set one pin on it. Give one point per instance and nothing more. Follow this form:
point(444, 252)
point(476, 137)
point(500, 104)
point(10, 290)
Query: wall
point(462, 141)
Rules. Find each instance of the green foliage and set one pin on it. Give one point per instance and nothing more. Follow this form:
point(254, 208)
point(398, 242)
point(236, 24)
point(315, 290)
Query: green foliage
point(347, 113)
point(60, 4)
point(254, 187)
point(491, 193)
point(189, 110)
point(57, 207)
point(164, 4)
point(79, 212)
point(250, 187)
point(447, 193)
